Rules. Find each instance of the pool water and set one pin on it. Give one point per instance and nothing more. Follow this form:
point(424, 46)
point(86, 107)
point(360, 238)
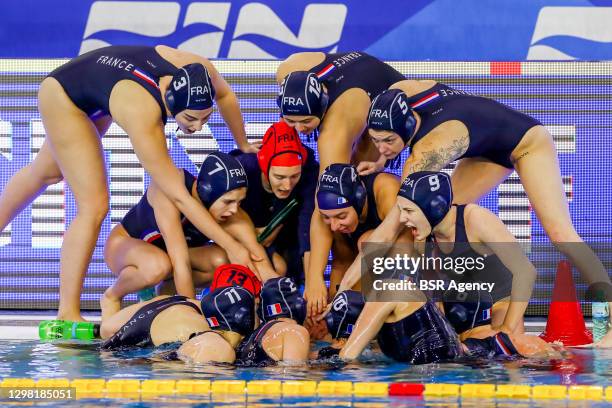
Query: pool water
point(33, 359)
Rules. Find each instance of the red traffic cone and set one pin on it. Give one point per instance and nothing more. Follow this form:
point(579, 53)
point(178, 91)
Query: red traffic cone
point(565, 321)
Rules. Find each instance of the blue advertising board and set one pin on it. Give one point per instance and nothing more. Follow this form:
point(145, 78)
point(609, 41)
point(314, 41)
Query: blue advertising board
point(484, 30)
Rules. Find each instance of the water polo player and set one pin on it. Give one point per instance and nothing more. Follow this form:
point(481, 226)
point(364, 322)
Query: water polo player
point(280, 200)
point(137, 87)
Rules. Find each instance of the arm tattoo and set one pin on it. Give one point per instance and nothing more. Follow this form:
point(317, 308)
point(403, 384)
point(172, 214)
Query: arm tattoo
point(436, 159)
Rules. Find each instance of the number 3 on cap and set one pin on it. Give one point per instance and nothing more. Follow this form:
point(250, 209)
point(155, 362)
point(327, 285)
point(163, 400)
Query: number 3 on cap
point(179, 84)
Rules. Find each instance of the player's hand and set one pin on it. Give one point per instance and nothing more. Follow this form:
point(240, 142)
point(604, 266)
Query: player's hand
point(238, 254)
point(321, 316)
point(315, 295)
point(367, 167)
point(316, 328)
point(251, 147)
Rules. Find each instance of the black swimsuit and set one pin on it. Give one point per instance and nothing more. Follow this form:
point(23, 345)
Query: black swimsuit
point(137, 330)
point(498, 345)
point(494, 270)
point(250, 352)
point(262, 206)
point(89, 78)
point(420, 338)
point(140, 222)
point(494, 128)
point(341, 72)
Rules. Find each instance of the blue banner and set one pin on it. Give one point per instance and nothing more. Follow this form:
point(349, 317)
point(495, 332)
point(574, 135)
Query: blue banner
point(485, 30)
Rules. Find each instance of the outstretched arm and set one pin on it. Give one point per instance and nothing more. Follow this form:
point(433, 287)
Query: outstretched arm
point(387, 231)
point(229, 107)
point(486, 227)
point(241, 227)
point(368, 325)
point(168, 220)
point(139, 115)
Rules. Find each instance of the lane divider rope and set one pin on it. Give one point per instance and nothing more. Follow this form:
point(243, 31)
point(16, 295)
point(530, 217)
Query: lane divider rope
point(126, 388)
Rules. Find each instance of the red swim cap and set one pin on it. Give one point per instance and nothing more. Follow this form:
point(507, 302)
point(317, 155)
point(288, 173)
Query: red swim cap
point(236, 275)
point(281, 146)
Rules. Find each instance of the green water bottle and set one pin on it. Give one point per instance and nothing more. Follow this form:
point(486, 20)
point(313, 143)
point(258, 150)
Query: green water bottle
point(146, 294)
point(601, 320)
point(67, 330)
point(51, 329)
point(84, 331)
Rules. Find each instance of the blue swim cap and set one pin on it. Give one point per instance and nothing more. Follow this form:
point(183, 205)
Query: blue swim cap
point(390, 110)
point(345, 311)
point(302, 94)
point(219, 174)
point(280, 298)
point(340, 187)
point(431, 191)
point(466, 310)
point(190, 88)
point(231, 308)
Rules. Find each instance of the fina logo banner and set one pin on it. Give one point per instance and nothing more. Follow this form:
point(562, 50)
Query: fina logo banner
point(513, 30)
point(572, 33)
point(202, 27)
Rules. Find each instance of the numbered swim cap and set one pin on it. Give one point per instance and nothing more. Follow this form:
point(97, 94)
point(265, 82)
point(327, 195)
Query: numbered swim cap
point(220, 173)
point(281, 146)
point(281, 298)
point(236, 275)
point(431, 191)
point(190, 88)
point(345, 311)
point(390, 110)
point(231, 308)
point(302, 94)
point(340, 187)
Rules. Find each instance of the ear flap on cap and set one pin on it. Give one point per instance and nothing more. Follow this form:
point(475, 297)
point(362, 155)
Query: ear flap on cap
point(246, 320)
point(281, 93)
point(170, 102)
point(439, 207)
point(359, 191)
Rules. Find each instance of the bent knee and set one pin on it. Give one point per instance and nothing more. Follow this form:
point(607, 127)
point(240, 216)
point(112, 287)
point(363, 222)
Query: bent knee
point(218, 258)
point(94, 209)
point(156, 269)
point(51, 179)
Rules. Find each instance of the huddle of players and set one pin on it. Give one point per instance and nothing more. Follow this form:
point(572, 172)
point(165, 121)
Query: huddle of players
point(240, 321)
point(266, 183)
point(361, 111)
point(289, 214)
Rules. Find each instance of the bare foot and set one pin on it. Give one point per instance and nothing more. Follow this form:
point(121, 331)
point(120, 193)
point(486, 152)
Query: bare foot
point(109, 305)
point(72, 317)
